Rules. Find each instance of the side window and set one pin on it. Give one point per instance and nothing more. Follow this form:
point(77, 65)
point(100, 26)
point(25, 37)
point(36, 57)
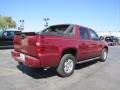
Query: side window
point(94, 36)
point(84, 33)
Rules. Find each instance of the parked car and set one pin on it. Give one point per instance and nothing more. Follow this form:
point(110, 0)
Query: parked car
point(59, 46)
point(112, 40)
point(102, 38)
point(6, 38)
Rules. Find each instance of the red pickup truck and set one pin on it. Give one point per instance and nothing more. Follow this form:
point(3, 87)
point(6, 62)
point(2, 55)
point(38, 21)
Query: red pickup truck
point(60, 46)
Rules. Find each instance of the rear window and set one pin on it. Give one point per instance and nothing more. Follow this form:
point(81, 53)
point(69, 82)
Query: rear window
point(59, 30)
point(17, 32)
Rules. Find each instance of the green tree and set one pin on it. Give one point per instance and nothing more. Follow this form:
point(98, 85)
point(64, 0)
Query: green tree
point(7, 23)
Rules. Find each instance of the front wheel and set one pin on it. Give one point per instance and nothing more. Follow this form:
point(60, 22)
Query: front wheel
point(103, 56)
point(66, 65)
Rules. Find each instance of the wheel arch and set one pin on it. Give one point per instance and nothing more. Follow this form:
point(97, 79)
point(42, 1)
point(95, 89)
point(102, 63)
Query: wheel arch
point(72, 51)
point(105, 47)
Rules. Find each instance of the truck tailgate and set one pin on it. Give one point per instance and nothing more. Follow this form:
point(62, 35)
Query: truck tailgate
point(26, 43)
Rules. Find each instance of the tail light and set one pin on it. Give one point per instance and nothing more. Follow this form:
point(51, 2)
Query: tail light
point(40, 45)
point(16, 39)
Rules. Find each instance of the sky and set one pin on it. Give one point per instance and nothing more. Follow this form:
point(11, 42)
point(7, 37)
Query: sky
point(100, 15)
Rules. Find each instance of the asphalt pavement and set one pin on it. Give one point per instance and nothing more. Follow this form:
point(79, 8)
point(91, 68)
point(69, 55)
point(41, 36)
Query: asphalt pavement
point(93, 75)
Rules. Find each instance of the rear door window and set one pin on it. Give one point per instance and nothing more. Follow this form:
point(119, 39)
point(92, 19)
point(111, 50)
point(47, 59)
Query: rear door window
point(84, 34)
point(94, 35)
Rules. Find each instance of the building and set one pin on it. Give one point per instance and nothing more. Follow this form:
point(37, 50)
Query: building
point(110, 33)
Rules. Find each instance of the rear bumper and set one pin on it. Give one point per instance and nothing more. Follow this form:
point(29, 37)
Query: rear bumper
point(28, 61)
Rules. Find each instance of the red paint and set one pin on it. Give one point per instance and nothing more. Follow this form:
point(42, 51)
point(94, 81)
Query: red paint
point(46, 50)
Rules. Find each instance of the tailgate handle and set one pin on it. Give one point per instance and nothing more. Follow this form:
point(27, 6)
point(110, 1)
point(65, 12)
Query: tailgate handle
point(22, 36)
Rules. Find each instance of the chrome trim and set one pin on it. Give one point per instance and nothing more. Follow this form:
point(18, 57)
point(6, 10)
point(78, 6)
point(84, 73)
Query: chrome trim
point(87, 60)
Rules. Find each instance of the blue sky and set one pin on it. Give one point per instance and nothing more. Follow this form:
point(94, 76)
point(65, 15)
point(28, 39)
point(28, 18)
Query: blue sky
point(101, 15)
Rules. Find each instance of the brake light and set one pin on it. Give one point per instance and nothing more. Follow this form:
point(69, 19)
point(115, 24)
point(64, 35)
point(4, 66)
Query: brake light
point(40, 44)
point(40, 49)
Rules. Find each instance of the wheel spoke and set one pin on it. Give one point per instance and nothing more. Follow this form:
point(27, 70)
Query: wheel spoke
point(68, 66)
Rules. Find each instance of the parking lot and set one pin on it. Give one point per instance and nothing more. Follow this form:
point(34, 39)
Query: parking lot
point(88, 76)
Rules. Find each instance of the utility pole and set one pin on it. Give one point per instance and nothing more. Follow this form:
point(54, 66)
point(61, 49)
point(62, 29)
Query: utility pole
point(46, 22)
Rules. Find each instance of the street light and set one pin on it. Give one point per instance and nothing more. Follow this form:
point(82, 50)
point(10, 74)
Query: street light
point(21, 28)
point(46, 22)
point(22, 23)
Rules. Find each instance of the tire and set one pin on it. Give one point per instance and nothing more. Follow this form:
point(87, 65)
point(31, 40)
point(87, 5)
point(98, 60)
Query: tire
point(103, 56)
point(66, 66)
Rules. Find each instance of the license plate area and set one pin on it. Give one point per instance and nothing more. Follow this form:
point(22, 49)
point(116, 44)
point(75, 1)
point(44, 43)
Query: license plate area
point(22, 57)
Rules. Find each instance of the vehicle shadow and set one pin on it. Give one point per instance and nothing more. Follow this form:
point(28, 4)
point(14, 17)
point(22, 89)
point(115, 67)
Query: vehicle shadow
point(40, 73)
point(37, 73)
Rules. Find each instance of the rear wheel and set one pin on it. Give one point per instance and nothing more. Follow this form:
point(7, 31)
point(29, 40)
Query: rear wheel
point(66, 66)
point(103, 56)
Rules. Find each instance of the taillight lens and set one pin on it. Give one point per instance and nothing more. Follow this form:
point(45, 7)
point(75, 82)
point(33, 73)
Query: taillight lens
point(40, 49)
point(40, 44)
